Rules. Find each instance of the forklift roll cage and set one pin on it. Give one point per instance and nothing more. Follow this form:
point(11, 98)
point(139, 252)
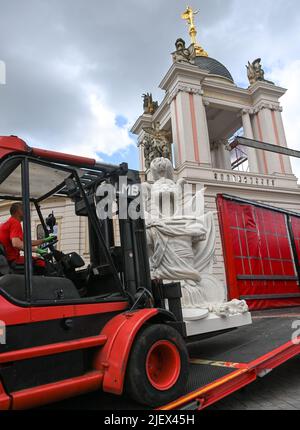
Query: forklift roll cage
point(132, 233)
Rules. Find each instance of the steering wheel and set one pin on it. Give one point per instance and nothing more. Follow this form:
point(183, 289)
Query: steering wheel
point(50, 244)
point(48, 256)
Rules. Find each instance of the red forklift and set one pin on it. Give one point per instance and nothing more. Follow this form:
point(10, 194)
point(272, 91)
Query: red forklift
point(106, 326)
point(81, 328)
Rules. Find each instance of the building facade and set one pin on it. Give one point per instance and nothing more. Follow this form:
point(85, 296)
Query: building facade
point(202, 110)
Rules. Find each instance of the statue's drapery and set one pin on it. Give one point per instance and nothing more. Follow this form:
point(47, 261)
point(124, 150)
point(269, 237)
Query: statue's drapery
point(182, 247)
point(172, 245)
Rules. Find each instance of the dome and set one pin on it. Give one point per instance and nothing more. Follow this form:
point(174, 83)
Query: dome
point(213, 66)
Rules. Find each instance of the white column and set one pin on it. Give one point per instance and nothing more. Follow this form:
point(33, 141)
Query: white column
point(248, 133)
point(175, 134)
point(142, 158)
point(223, 157)
point(282, 140)
point(274, 160)
point(184, 123)
point(260, 155)
point(190, 128)
point(202, 131)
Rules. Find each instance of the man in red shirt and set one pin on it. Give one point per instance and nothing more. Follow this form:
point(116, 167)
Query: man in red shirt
point(11, 238)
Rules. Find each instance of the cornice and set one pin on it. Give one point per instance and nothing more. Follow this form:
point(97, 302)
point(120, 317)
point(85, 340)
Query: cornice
point(185, 88)
point(141, 122)
point(182, 69)
point(265, 88)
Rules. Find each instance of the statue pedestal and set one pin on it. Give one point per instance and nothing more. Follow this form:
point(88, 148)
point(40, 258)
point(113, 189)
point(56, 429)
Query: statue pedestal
point(213, 323)
point(194, 314)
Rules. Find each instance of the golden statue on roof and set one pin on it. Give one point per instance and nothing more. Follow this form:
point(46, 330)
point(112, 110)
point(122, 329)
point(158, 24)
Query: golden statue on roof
point(188, 16)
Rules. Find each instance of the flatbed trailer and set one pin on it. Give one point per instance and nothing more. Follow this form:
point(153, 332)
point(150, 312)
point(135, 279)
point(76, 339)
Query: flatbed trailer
point(220, 366)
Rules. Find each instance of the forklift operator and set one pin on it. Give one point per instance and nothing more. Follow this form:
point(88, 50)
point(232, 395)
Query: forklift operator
point(11, 238)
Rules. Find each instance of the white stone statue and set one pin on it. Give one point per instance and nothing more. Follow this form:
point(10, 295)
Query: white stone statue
point(181, 241)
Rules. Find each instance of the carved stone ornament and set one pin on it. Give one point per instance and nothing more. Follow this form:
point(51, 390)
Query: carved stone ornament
point(156, 143)
point(270, 106)
point(256, 73)
point(183, 54)
point(150, 107)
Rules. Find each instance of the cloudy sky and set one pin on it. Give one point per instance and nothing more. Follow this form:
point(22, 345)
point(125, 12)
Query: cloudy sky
point(76, 69)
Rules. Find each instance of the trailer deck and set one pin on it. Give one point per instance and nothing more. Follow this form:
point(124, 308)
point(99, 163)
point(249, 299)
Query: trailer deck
point(220, 365)
point(224, 364)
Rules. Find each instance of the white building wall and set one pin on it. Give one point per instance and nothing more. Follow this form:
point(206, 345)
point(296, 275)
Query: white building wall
point(219, 266)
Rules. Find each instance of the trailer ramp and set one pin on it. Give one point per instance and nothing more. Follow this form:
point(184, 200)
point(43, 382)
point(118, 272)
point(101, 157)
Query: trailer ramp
point(223, 365)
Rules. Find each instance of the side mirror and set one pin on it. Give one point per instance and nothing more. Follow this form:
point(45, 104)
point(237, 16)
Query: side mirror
point(51, 222)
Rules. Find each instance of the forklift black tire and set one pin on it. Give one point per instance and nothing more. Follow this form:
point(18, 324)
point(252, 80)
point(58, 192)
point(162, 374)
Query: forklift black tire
point(157, 370)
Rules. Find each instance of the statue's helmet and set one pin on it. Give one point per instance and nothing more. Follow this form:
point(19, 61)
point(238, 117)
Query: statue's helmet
point(180, 44)
point(256, 63)
point(162, 168)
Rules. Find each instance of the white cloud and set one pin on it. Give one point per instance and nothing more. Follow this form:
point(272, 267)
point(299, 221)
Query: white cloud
point(82, 122)
point(98, 132)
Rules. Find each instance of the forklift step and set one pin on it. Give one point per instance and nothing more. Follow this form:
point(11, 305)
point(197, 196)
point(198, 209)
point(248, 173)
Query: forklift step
point(52, 349)
point(43, 394)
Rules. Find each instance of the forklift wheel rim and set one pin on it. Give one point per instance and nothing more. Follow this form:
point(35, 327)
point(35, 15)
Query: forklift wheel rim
point(163, 365)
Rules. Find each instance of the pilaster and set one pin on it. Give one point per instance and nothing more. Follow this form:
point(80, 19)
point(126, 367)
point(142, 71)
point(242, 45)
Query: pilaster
point(248, 133)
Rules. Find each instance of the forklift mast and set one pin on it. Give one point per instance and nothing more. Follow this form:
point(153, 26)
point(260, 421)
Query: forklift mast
point(123, 237)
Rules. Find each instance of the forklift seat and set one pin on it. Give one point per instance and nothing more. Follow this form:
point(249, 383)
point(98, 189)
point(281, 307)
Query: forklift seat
point(4, 266)
point(43, 288)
